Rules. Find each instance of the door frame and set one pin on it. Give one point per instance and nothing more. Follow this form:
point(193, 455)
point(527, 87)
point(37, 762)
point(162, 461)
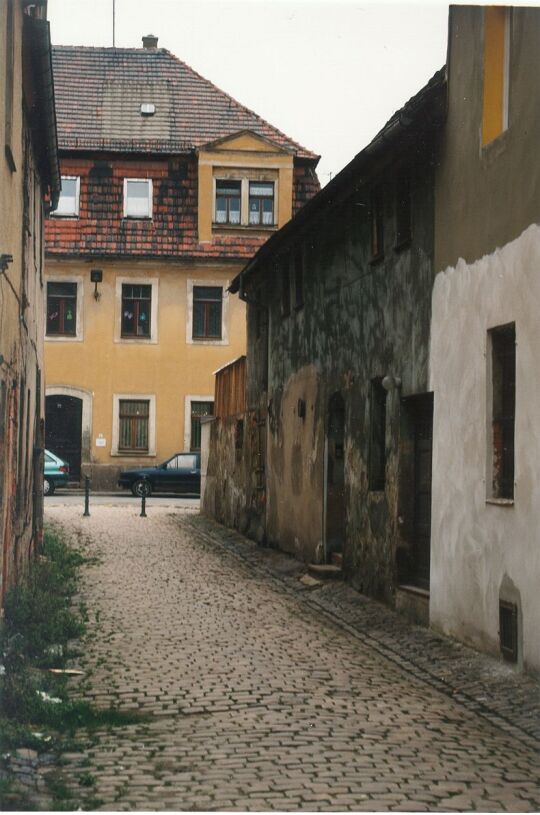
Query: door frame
point(86, 398)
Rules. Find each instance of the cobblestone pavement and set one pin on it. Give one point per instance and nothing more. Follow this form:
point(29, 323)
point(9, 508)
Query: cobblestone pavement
point(262, 694)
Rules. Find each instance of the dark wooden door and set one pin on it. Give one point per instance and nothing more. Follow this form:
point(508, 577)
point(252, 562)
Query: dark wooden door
point(423, 444)
point(335, 476)
point(63, 426)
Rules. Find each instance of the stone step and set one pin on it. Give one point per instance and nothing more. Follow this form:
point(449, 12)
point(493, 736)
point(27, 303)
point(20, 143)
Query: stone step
point(325, 571)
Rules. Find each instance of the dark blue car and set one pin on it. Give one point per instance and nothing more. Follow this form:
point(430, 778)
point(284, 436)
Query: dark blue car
point(181, 473)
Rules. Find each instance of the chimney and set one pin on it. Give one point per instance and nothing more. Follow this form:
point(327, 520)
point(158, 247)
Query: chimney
point(149, 42)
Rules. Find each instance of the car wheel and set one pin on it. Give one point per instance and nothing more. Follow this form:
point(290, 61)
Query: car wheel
point(140, 488)
point(48, 487)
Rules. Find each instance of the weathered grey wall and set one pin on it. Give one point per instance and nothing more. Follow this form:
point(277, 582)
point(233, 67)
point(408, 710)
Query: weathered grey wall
point(233, 494)
point(470, 178)
point(360, 321)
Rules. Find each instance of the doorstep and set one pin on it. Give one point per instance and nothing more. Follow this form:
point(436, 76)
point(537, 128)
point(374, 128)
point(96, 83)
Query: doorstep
point(413, 603)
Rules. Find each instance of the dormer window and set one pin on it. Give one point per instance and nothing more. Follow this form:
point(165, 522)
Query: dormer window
point(228, 202)
point(137, 198)
point(261, 203)
point(148, 109)
point(68, 203)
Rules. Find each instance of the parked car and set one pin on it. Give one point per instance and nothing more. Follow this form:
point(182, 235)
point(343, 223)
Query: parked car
point(180, 473)
point(56, 473)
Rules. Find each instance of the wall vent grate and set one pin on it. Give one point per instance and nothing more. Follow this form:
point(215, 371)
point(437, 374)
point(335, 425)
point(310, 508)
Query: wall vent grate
point(508, 630)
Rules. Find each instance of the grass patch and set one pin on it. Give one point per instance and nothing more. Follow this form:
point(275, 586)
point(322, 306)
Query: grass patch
point(40, 628)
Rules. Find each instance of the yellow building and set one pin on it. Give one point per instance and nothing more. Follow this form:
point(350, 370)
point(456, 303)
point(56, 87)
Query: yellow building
point(168, 186)
point(29, 181)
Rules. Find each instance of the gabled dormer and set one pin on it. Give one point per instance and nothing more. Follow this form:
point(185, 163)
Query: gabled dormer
point(245, 186)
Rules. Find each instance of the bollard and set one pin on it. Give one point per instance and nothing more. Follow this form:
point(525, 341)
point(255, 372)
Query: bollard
point(86, 512)
point(143, 500)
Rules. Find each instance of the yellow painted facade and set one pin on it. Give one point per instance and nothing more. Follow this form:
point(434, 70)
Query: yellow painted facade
point(170, 368)
point(254, 157)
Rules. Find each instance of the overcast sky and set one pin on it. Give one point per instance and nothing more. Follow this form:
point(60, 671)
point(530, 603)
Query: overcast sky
point(327, 73)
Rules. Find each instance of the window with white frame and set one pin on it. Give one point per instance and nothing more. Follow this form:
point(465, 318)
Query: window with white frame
point(261, 203)
point(137, 198)
point(136, 310)
point(228, 202)
point(133, 419)
point(68, 203)
point(134, 424)
point(244, 198)
point(61, 309)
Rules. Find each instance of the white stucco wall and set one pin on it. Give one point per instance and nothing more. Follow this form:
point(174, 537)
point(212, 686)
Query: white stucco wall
point(477, 547)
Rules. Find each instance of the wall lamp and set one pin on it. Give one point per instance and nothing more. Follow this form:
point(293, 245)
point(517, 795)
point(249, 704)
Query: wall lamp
point(391, 382)
point(96, 276)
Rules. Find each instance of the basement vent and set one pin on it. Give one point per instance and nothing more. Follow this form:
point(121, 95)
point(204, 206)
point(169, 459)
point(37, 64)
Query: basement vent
point(148, 109)
point(508, 630)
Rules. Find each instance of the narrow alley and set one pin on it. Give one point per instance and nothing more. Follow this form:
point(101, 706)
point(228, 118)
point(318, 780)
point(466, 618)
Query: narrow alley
point(258, 698)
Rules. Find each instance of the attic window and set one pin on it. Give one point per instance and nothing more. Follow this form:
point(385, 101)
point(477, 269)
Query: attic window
point(148, 109)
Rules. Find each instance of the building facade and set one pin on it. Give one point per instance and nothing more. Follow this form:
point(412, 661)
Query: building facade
point(335, 435)
point(168, 186)
point(485, 338)
point(29, 183)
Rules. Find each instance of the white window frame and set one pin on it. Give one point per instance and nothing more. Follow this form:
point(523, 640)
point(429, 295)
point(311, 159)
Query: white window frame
point(223, 285)
point(245, 180)
point(149, 397)
point(187, 416)
point(58, 212)
point(136, 281)
point(79, 330)
point(148, 181)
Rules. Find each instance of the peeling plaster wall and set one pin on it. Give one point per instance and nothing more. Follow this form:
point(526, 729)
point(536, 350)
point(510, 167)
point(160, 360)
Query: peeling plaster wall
point(481, 549)
point(359, 321)
point(232, 495)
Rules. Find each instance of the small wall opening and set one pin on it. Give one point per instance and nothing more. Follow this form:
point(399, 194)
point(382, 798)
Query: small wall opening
point(508, 630)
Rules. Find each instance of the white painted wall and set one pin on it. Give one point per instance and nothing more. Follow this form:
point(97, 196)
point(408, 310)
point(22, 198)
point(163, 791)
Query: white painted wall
point(477, 546)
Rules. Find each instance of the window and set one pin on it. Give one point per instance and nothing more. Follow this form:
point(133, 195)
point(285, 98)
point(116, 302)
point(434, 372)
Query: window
point(249, 200)
point(61, 309)
point(133, 425)
point(496, 72)
point(261, 203)
point(198, 409)
point(68, 203)
point(239, 434)
point(136, 310)
point(377, 450)
point(228, 202)
point(283, 270)
point(137, 198)
point(207, 312)
point(403, 212)
point(376, 227)
point(503, 374)
point(298, 278)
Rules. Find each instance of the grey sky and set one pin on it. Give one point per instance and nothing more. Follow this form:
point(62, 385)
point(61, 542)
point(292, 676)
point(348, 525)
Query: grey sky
point(329, 74)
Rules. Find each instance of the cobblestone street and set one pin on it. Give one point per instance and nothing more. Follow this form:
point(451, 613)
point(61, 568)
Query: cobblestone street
point(262, 693)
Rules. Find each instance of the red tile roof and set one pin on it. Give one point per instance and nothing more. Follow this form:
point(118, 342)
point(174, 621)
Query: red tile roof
point(102, 231)
point(99, 92)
